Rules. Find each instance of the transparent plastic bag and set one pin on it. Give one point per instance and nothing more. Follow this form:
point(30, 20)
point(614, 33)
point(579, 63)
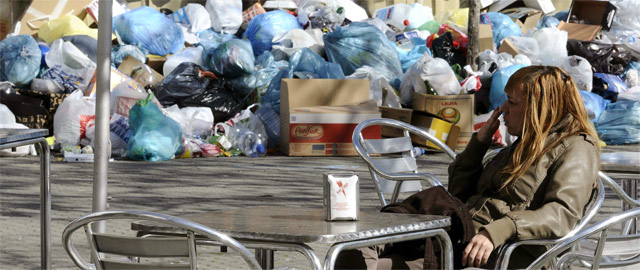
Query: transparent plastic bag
point(580, 70)
point(150, 29)
point(321, 14)
point(264, 27)
point(196, 122)
point(458, 18)
point(361, 44)
point(626, 21)
point(528, 46)
point(153, 136)
point(436, 71)
point(69, 67)
point(119, 52)
point(266, 69)
point(20, 59)
point(226, 15)
point(381, 91)
point(552, 43)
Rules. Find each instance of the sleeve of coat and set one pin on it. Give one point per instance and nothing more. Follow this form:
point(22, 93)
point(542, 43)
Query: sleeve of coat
point(571, 181)
point(466, 169)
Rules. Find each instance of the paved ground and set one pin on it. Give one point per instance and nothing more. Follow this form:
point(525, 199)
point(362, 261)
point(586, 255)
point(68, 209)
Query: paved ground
point(173, 187)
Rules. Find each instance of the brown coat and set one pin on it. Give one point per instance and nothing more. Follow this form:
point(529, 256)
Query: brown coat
point(546, 202)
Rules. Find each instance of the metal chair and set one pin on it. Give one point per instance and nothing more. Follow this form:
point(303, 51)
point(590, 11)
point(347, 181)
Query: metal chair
point(607, 251)
point(152, 247)
point(391, 161)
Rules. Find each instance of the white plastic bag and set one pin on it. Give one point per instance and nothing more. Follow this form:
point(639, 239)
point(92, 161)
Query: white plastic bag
point(580, 70)
point(436, 71)
point(226, 15)
point(189, 54)
point(552, 43)
point(247, 119)
point(195, 121)
point(71, 118)
point(195, 16)
point(16, 151)
point(125, 95)
point(285, 44)
point(69, 67)
point(6, 116)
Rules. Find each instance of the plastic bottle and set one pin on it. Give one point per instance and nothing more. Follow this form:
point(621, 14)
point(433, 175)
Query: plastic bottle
point(271, 121)
point(402, 16)
point(247, 141)
point(417, 151)
point(395, 16)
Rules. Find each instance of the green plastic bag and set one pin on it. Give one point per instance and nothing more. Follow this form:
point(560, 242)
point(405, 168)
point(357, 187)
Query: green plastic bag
point(153, 136)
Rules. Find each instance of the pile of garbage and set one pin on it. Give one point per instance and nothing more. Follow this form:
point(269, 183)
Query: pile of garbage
point(205, 81)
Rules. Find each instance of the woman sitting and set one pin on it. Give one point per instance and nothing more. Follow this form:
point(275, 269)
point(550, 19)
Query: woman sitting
point(537, 188)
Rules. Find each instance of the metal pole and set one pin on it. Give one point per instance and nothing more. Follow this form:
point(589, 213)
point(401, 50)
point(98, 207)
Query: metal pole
point(472, 33)
point(101, 144)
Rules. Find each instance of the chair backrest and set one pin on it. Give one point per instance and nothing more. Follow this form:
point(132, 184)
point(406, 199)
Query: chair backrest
point(112, 251)
point(391, 161)
point(608, 251)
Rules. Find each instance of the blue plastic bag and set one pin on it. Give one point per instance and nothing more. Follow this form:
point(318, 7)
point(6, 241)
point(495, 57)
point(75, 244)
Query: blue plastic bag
point(498, 81)
point(361, 44)
point(264, 27)
point(118, 53)
point(501, 25)
point(266, 69)
point(303, 64)
point(408, 59)
point(150, 29)
point(594, 104)
point(212, 39)
point(620, 122)
point(20, 59)
point(153, 136)
point(230, 59)
point(548, 22)
point(614, 82)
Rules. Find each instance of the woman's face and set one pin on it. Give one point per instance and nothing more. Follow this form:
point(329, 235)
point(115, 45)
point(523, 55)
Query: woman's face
point(513, 110)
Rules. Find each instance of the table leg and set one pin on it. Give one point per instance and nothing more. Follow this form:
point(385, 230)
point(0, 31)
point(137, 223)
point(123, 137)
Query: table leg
point(265, 258)
point(630, 186)
point(45, 205)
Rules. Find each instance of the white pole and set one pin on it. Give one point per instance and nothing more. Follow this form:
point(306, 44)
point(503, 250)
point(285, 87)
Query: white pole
point(101, 145)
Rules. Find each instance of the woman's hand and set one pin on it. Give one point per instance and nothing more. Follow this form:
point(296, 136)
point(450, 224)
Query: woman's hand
point(478, 250)
point(486, 132)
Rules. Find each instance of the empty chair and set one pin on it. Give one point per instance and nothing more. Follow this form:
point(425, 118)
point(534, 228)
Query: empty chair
point(391, 161)
point(120, 248)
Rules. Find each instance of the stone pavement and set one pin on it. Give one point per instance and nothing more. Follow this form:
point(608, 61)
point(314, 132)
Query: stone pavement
point(172, 187)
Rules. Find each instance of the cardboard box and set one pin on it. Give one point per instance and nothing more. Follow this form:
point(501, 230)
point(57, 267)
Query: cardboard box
point(156, 62)
point(318, 116)
point(485, 38)
point(545, 5)
point(597, 12)
point(436, 126)
point(508, 47)
point(526, 18)
point(580, 31)
point(458, 109)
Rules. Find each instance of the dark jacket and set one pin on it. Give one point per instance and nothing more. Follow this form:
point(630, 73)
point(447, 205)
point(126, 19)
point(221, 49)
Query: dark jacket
point(437, 201)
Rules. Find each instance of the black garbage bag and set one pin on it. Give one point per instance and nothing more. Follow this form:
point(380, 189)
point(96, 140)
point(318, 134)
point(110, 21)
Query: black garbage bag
point(443, 47)
point(218, 96)
point(604, 58)
point(185, 81)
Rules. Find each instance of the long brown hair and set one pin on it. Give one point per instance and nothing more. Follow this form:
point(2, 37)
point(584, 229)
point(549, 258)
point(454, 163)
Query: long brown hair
point(550, 96)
